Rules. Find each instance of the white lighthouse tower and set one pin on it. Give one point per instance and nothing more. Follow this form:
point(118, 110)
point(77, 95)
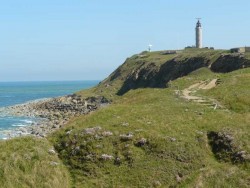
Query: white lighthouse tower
point(198, 34)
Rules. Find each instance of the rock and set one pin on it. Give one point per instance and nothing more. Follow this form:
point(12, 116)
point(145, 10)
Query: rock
point(178, 177)
point(126, 137)
point(68, 132)
point(99, 146)
point(225, 149)
point(52, 151)
point(106, 157)
point(241, 156)
point(117, 161)
point(53, 163)
point(56, 112)
point(92, 131)
point(125, 124)
point(42, 135)
point(200, 113)
point(89, 157)
point(23, 130)
point(141, 142)
point(156, 183)
point(74, 101)
point(172, 139)
point(107, 133)
point(55, 126)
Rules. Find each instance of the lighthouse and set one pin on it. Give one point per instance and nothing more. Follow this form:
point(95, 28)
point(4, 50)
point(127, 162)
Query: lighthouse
point(198, 34)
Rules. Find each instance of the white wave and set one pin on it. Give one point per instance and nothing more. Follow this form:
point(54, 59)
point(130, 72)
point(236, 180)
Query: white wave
point(27, 121)
point(3, 134)
point(18, 125)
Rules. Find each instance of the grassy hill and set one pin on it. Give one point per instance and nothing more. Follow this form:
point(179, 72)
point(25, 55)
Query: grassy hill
point(151, 136)
point(156, 138)
point(156, 69)
point(31, 162)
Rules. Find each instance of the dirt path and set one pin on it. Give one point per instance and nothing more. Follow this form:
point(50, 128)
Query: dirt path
point(189, 93)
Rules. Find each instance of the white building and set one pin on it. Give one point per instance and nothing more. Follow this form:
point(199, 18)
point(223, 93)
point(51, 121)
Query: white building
point(198, 35)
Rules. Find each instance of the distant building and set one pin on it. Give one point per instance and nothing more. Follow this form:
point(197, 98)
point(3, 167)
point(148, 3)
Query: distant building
point(171, 52)
point(240, 50)
point(198, 34)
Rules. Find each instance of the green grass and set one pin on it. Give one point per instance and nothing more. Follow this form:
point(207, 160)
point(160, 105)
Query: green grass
point(25, 162)
point(234, 91)
point(176, 133)
point(176, 152)
point(111, 85)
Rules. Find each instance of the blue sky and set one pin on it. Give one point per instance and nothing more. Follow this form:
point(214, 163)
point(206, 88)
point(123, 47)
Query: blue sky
point(88, 39)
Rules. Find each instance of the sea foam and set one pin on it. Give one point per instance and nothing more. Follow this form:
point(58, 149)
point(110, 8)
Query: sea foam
point(27, 121)
point(18, 125)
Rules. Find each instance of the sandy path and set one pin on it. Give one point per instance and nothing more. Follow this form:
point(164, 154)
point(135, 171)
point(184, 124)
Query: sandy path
point(189, 93)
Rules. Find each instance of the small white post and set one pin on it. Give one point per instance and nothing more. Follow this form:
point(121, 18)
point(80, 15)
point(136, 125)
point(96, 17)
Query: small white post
point(149, 47)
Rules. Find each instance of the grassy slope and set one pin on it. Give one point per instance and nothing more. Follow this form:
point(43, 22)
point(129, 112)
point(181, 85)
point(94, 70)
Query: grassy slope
point(175, 130)
point(26, 162)
point(176, 133)
point(235, 91)
point(110, 86)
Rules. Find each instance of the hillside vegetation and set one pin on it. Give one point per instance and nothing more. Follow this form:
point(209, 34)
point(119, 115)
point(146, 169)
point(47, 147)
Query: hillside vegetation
point(156, 69)
point(30, 162)
point(151, 135)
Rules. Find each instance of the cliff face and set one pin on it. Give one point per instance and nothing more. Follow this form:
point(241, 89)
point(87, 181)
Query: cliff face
point(151, 76)
point(155, 69)
point(230, 62)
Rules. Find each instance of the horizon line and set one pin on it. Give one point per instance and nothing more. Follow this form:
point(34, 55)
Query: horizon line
point(49, 80)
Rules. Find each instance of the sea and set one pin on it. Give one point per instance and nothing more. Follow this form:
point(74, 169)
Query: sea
point(13, 93)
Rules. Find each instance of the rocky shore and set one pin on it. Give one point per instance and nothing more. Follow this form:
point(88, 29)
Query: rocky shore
point(51, 114)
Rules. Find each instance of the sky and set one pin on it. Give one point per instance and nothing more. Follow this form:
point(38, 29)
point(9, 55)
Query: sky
point(45, 40)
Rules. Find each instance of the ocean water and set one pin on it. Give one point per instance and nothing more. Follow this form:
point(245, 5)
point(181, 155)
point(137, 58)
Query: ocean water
point(12, 93)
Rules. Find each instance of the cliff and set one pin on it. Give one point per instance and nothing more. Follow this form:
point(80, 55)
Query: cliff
point(176, 120)
point(156, 69)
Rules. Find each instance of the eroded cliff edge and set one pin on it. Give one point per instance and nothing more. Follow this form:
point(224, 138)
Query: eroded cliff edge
point(156, 69)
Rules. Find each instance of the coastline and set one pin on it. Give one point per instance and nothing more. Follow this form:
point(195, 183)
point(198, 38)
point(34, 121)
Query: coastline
point(51, 114)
